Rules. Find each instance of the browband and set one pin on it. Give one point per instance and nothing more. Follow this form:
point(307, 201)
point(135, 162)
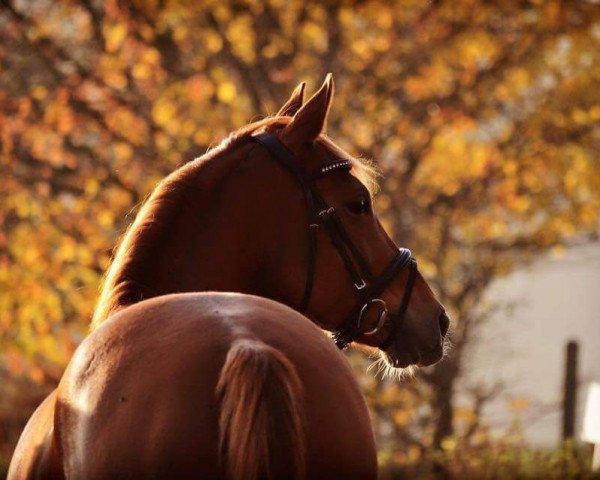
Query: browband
point(331, 167)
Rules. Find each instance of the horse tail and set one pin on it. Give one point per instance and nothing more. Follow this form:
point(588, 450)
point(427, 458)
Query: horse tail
point(261, 427)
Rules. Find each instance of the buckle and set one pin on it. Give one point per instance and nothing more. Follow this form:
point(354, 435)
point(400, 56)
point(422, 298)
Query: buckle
point(360, 286)
point(326, 212)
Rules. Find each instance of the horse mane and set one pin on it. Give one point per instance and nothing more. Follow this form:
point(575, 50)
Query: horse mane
point(123, 284)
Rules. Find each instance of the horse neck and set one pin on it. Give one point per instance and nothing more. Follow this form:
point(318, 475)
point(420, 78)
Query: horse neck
point(184, 240)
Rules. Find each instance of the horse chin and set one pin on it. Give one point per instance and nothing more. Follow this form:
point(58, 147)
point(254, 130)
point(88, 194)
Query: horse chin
point(400, 360)
point(413, 358)
point(390, 367)
point(396, 365)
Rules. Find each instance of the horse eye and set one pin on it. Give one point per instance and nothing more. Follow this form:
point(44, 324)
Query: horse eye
point(360, 206)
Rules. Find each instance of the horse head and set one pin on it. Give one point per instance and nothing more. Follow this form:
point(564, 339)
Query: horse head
point(331, 257)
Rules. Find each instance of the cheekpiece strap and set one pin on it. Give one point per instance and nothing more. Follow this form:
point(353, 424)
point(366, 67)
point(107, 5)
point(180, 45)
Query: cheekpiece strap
point(283, 154)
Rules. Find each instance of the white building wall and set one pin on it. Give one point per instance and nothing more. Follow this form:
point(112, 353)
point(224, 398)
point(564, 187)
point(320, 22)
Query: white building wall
point(557, 299)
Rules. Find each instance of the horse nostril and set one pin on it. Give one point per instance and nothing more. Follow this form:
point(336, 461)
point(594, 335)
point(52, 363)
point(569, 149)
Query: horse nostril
point(444, 324)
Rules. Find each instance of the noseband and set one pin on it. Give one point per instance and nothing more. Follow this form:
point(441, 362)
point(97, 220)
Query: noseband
point(368, 286)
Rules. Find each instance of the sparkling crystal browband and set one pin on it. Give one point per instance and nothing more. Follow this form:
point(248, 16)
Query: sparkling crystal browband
point(347, 164)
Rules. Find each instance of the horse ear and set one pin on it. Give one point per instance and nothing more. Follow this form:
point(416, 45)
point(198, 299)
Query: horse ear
point(294, 102)
point(309, 121)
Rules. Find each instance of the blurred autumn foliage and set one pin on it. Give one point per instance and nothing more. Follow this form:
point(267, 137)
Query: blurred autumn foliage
point(482, 116)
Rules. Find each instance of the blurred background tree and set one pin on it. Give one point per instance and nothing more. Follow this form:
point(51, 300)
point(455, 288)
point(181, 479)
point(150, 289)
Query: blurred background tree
point(482, 116)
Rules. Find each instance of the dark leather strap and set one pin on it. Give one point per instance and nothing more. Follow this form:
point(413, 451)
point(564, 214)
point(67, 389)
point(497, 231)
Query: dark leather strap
point(331, 221)
point(284, 155)
point(287, 159)
point(312, 265)
point(400, 315)
point(320, 213)
point(349, 331)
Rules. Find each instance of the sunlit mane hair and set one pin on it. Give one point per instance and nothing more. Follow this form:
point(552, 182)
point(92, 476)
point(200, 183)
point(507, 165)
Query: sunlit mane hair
point(124, 285)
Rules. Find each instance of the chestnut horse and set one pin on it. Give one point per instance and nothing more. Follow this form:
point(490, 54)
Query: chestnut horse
point(175, 384)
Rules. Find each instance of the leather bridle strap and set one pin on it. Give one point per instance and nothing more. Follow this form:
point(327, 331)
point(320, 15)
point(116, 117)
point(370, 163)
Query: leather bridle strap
point(320, 213)
point(350, 330)
point(287, 160)
point(400, 315)
point(343, 245)
point(340, 237)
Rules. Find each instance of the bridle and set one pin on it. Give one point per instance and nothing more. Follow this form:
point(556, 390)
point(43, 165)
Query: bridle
point(368, 286)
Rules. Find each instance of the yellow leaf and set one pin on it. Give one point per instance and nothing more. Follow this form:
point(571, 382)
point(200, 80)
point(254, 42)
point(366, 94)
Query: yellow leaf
point(39, 92)
point(36, 374)
point(448, 444)
point(92, 186)
point(401, 417)
point(105, 218)
point(123, 151)
point(141, 71)
point(226, 92)
point(163, 112)
point(115, 34)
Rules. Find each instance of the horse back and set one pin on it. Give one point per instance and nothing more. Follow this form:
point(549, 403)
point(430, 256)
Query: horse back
point(139, 398)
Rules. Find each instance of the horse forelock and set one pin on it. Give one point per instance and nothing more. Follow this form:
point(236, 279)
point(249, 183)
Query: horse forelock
point(124, 282)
